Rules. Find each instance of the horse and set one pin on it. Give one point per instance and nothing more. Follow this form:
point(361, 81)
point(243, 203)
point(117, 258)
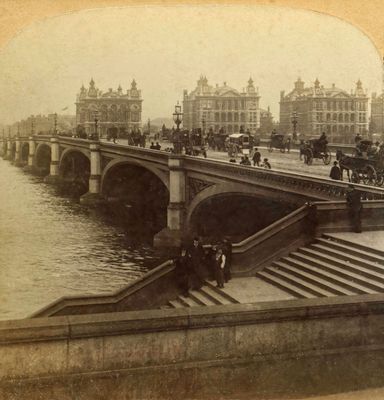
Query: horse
point(345, 163)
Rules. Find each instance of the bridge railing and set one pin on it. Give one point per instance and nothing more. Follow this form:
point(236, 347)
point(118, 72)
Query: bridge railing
point(323, 188)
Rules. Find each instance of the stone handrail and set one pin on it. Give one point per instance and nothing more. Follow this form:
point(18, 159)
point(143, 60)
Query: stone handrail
point(325, 189)
point(160, 157)
point(105, 300)
point(270, 230)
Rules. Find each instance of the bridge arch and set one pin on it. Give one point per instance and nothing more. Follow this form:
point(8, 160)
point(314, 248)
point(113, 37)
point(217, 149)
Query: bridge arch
point(137, 194)
point(43, 157)
point(24, 148)
point(232, 210)
point(118, 162)
point(75, 170)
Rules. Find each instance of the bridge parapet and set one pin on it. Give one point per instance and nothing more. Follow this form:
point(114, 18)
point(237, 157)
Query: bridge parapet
point(309, 186)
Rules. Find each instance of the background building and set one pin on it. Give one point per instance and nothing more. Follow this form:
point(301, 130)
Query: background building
point(42, 125)
point(332, 110)
point(221, 107)
point(116, 111)
point(377, 114)
point(267, 125)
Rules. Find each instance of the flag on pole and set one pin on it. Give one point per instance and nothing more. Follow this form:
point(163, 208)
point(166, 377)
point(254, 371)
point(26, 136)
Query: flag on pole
point(65, 108)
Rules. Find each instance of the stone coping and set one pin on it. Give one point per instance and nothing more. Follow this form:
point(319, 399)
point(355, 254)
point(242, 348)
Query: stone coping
point(134, 322)
point(111, 298)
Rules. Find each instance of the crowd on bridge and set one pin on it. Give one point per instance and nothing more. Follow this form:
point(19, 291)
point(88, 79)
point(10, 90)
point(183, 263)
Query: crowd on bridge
point(197, 262)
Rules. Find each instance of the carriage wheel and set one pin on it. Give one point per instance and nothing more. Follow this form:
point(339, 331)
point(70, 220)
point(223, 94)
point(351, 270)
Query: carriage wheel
point(282, 149)
point(327, 158)
point(369, 175)
point(270, 149)
point(355, 177)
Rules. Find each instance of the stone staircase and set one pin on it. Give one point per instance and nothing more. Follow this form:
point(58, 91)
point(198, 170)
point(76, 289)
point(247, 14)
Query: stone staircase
point(328, 267)
point(207, 295)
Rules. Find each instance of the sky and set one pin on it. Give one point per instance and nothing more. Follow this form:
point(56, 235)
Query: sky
point(166, 48)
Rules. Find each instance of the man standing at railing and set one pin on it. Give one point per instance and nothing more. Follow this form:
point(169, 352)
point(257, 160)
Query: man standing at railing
point(354, 208)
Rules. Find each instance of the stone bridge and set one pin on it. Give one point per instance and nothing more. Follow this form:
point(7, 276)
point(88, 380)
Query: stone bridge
point(188, 182)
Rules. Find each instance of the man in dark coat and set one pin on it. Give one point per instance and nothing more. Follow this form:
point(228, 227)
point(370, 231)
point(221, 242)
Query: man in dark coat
point(335, 172)
point(256, 158)
point(196, 256)
point(354, 208)
point(183, 272)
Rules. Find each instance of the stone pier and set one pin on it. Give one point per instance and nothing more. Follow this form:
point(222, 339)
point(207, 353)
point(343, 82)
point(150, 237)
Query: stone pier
point(93, 197)
point(54, 176)
point(30, 167)
point(172, 235)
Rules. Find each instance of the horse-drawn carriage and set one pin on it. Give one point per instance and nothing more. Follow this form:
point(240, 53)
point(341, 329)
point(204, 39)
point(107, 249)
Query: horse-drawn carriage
point(316, 148)
point(238, 143)
point(281, 142)
point(364, 166)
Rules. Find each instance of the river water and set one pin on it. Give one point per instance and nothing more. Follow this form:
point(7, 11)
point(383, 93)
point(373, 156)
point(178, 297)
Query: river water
point(51, 246)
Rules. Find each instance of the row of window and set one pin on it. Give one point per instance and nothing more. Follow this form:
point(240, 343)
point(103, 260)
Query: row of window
point(339, 129)
point(341, 117)
point(223, 104)
point(110, 116)
point(340, 105)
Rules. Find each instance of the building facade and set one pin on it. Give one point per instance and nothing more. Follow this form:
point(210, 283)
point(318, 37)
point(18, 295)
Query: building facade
point(43, 125)
point(115, 111)
point(221, 108)
point(334, 111)
point(377, 114)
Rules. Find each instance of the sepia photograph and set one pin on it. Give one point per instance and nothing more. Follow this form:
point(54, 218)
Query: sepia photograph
point(192, 200)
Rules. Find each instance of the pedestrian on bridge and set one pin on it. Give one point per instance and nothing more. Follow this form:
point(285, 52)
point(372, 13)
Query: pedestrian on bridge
point(266, 164)
point(335, 172)
point(256, 157)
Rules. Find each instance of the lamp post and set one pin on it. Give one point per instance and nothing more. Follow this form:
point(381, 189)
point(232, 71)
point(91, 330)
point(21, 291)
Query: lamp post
point(32, 127)
point(55, 123)
point(294, 121)
point(96, 121)
point(18, 129)
point(203, 126)
point(177, 118)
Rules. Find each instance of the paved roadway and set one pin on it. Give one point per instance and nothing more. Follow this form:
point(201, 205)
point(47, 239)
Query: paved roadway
point(279, 161)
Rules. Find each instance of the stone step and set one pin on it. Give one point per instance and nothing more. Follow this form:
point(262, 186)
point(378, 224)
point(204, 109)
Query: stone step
point(295, 279)
point(354, 274)
point(339, 258)
point(327, 256)
point(350, 249)
point(221, 292)
point(188, 301)
point(345, 256)
point(283, 284)
point(324, 286)
point(371, 272)
point(307, 262)
point(200, 297)
point(214, 295)
point(316, 267)
point(379, 253)
point(175, 304)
